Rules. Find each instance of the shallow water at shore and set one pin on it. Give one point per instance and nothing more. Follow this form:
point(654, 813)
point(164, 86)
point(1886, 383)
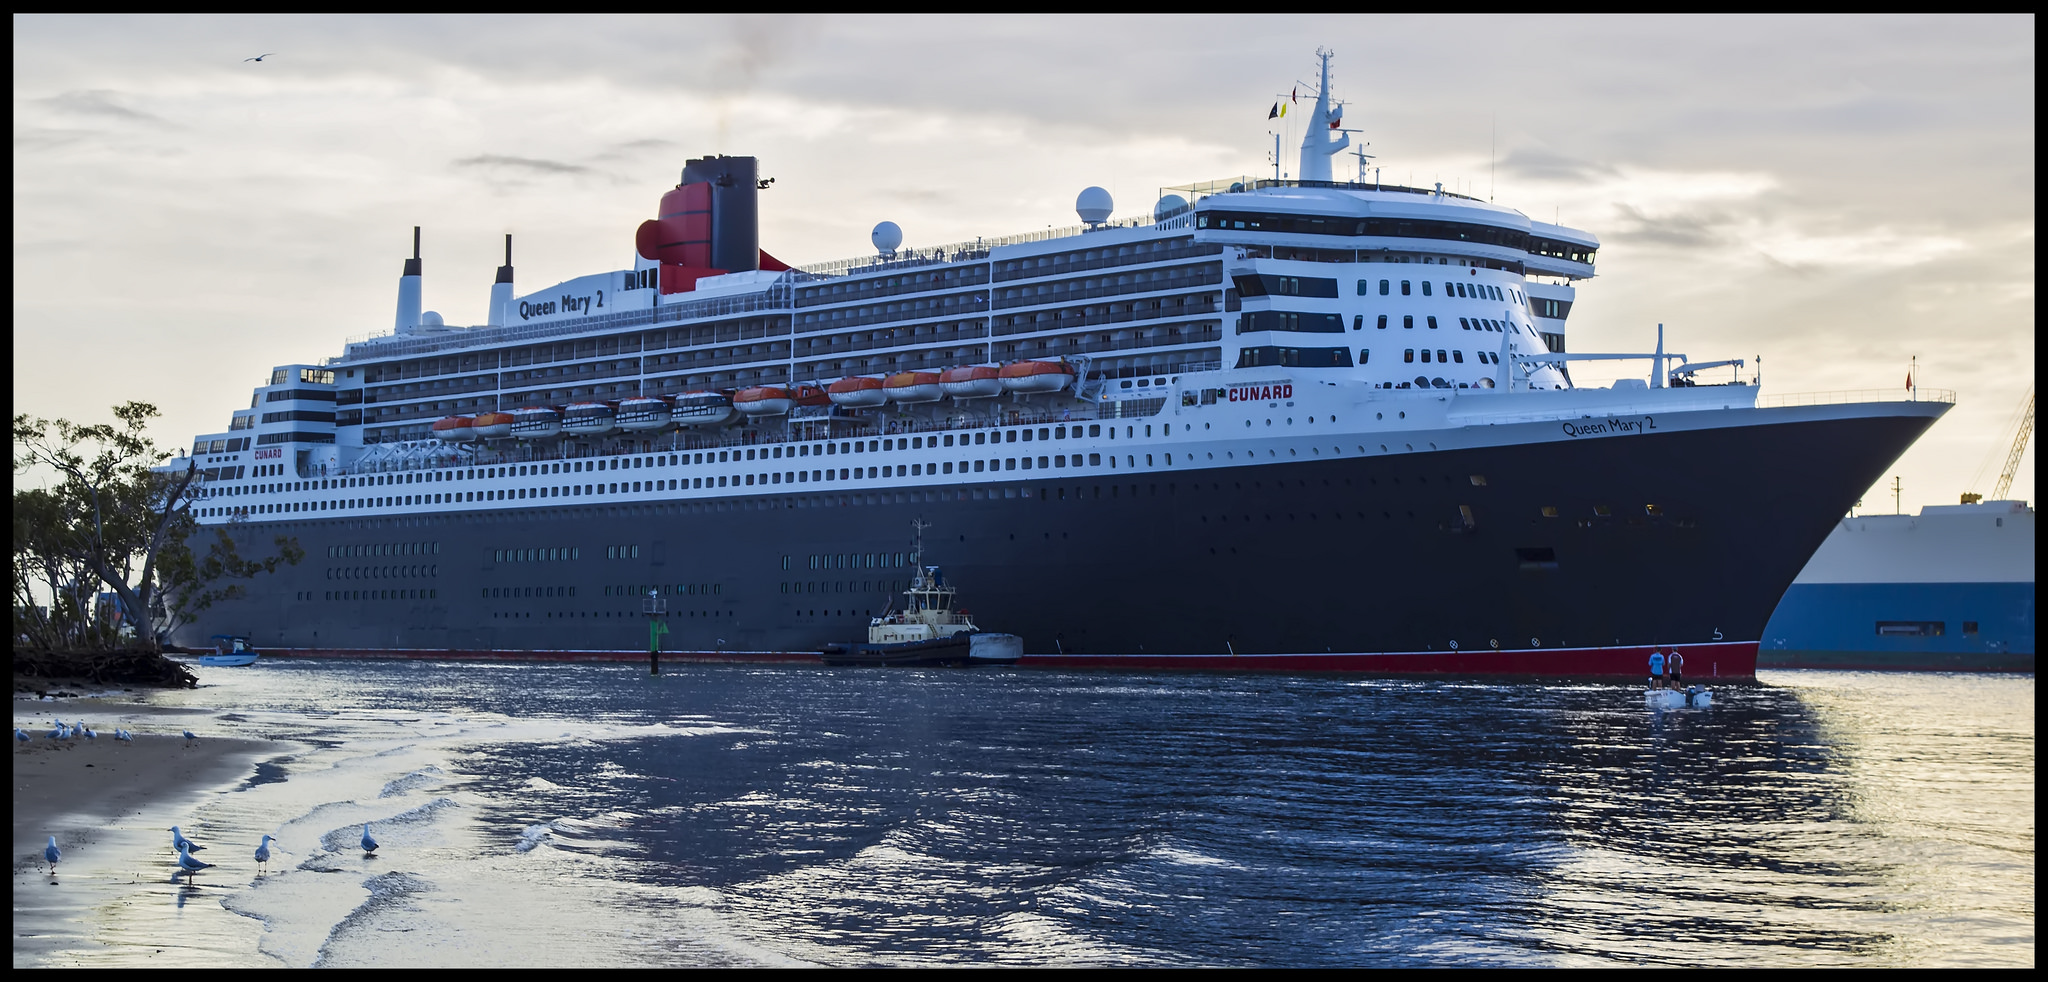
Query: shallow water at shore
point(588, 815)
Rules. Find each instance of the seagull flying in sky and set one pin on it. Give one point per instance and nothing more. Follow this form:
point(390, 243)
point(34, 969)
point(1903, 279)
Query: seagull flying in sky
point(261, 56)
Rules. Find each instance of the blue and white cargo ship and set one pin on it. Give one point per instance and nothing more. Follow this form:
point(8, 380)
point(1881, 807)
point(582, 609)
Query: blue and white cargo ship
point(1298, 424)
point(1949, 589)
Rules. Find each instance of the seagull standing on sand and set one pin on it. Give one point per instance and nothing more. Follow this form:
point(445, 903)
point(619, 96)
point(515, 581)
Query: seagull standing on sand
point(188, 864)
point(19, 735)
point(50, 853)
point(263, 851)
point(369, 844)
point(178, 839)
point(189, 735)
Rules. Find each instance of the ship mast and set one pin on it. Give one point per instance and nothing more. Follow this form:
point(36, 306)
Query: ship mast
point(1316, 146)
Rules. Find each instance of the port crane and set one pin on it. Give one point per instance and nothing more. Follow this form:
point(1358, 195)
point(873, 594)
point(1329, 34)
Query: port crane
point(2012, 460)
point(2019, 447)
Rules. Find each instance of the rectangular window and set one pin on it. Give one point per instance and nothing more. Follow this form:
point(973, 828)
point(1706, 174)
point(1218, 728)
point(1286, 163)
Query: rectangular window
point(1364, 355)
point(1404, 288)
point(1911, 629)
point(1383, 322)
point(1458, 356)
point(1408, 355)
point(1425, 288)
point(1432, 322)
point(1425, 356)
point(1408, 322)
point(1383, 288)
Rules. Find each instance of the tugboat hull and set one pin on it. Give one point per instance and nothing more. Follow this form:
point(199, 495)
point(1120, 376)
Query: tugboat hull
point(949, 651)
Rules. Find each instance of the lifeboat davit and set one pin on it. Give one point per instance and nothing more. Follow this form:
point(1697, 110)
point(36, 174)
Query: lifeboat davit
point(536, 423)
point(1036, 376)
point(812, 395)
point(589, 419)
point(971, 382)
point(857, 392)
point(493, 426)
point(455, 429)
point(763, 400)
point(913, 387)
point(642, 413)
point(701, 409)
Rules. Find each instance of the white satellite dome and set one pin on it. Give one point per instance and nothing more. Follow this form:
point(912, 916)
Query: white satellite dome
point(431, 318)
point(886, 238)
point(1168, 207)
point(1094, 206)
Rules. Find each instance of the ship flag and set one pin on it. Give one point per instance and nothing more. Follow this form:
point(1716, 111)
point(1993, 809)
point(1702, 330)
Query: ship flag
point(1275, 111)
point(1296, 96)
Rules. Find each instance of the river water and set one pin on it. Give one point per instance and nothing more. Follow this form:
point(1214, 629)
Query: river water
point(591, 816)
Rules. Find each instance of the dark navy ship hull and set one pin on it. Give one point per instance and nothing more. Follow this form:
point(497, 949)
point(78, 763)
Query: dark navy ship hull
point(1545, 559)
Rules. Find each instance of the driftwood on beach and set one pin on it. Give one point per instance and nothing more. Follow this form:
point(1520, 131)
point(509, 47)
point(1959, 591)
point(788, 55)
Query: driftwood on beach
point(37, 671)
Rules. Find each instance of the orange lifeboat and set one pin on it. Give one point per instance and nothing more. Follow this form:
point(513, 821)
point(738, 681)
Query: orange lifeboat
point(811, 395)
point(971, 382)
point(455, 429)
point(857, 392)
point(763, 400)
point(1036, 376)
point(913, 387)
point(493, 426)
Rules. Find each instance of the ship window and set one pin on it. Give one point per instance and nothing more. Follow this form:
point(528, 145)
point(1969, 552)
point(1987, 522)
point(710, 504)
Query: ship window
point(1425, 356)
point(1364, 355)
point(1969, 627)
point(1432, 322)
point(1383, 287)
point(1458, 356)
point(1408, 322)
point(1464, 325)
point(1408, 355)
point(1549, 511)
point(1425, 288)
point(1911, 629)
point(1440, 355)
point(1404, 288)
point(1383, 322)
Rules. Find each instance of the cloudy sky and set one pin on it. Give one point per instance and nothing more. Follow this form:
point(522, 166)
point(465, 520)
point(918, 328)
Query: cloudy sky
point(1834, 194)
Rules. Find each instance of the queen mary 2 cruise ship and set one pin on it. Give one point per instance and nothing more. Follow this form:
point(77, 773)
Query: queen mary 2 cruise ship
point(1301, 424)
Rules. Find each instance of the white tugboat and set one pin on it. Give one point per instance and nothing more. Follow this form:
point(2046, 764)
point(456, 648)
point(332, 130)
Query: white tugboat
point(931, 629)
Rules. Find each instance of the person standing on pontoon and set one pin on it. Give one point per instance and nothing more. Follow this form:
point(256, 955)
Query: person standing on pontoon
point(1675, 667)
point(1656, 668)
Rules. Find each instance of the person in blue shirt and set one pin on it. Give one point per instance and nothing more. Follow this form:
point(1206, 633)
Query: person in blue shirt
point(1656, 668)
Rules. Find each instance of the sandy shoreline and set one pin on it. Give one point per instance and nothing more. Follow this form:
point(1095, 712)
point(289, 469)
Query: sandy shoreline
point(104, 800)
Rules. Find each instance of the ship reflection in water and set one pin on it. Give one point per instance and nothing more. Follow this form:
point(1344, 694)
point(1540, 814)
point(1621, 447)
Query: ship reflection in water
point(732, 815)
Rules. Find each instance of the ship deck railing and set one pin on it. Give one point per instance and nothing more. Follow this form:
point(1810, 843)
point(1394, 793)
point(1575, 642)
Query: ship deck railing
point(447, 456)
point(1847, 396)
